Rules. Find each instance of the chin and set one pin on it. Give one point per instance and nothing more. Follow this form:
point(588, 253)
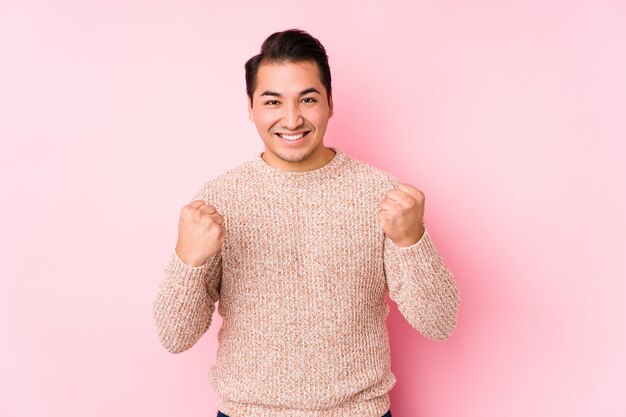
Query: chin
point(293, 157)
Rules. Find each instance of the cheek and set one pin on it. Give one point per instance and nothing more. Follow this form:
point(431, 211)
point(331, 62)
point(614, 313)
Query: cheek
point(318, 118)
point(262, 120)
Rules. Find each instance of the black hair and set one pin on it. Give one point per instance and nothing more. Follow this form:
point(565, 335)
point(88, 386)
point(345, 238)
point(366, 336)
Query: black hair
point(293, 45)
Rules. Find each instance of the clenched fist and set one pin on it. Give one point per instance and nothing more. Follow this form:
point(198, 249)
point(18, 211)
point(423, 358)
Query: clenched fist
point(401, 215)
point(201, 233)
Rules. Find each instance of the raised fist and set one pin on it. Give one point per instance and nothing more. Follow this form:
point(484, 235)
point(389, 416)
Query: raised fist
point(401, 215)
point(201, 233)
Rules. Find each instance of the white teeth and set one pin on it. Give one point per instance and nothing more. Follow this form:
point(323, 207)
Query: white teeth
point(292, 137)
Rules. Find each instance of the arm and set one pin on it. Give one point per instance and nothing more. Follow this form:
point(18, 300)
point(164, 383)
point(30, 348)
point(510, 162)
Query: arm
point(418, 280)
point(422, 286)
point(185, 300)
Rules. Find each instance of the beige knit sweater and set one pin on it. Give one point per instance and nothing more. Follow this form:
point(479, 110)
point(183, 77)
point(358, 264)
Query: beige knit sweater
point(301, 281)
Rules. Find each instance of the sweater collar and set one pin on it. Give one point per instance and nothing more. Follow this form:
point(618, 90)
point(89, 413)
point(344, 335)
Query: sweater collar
point(329, 169)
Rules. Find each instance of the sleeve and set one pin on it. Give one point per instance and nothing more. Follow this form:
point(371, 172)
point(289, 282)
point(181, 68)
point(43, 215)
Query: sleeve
point(185, 299)
point(422, 286)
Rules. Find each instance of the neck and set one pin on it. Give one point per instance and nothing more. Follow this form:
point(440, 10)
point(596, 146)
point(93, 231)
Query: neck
point(320, 157)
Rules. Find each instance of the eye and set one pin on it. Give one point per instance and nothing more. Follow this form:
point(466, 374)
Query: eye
point(309, 100)
point(271, 102)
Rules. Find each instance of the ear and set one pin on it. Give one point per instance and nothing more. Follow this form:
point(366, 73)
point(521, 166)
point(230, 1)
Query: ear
point(250, 116)
point(330, 106)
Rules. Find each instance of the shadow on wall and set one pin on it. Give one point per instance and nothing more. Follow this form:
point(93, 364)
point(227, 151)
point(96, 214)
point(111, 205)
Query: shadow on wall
point(357, 126)
point(424, 367)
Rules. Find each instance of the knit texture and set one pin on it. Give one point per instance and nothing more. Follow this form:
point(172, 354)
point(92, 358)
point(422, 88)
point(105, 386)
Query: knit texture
point(302, 280)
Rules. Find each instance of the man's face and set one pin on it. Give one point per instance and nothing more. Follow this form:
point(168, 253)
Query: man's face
point(290, 111)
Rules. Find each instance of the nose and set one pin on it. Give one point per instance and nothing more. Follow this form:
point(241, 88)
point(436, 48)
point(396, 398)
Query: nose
point(292, 119)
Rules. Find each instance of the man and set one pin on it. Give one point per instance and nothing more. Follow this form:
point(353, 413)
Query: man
point(301, 245)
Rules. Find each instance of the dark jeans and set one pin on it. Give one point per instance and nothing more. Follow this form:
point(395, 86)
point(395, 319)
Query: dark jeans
point(220, 414)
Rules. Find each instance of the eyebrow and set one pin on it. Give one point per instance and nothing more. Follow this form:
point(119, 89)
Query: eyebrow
point(302, 93)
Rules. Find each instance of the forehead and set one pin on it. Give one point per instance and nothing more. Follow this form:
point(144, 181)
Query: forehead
point(288, 77)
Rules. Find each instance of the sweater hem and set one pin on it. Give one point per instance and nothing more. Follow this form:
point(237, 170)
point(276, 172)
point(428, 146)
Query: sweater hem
point(375, 407)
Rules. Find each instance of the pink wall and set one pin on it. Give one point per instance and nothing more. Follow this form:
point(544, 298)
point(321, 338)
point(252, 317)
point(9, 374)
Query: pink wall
point(510, 118)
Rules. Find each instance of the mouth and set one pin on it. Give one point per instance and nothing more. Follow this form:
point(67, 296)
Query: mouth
point(293, 138)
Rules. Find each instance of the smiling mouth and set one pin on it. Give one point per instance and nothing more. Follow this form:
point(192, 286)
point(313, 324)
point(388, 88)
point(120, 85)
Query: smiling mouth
point(292, 137)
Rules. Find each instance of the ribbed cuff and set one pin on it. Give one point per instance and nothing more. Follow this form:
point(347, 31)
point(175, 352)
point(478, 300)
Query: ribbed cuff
point(423, 251)
point(188, 273)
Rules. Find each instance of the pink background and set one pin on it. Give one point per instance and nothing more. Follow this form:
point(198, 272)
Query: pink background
point(510, 118)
